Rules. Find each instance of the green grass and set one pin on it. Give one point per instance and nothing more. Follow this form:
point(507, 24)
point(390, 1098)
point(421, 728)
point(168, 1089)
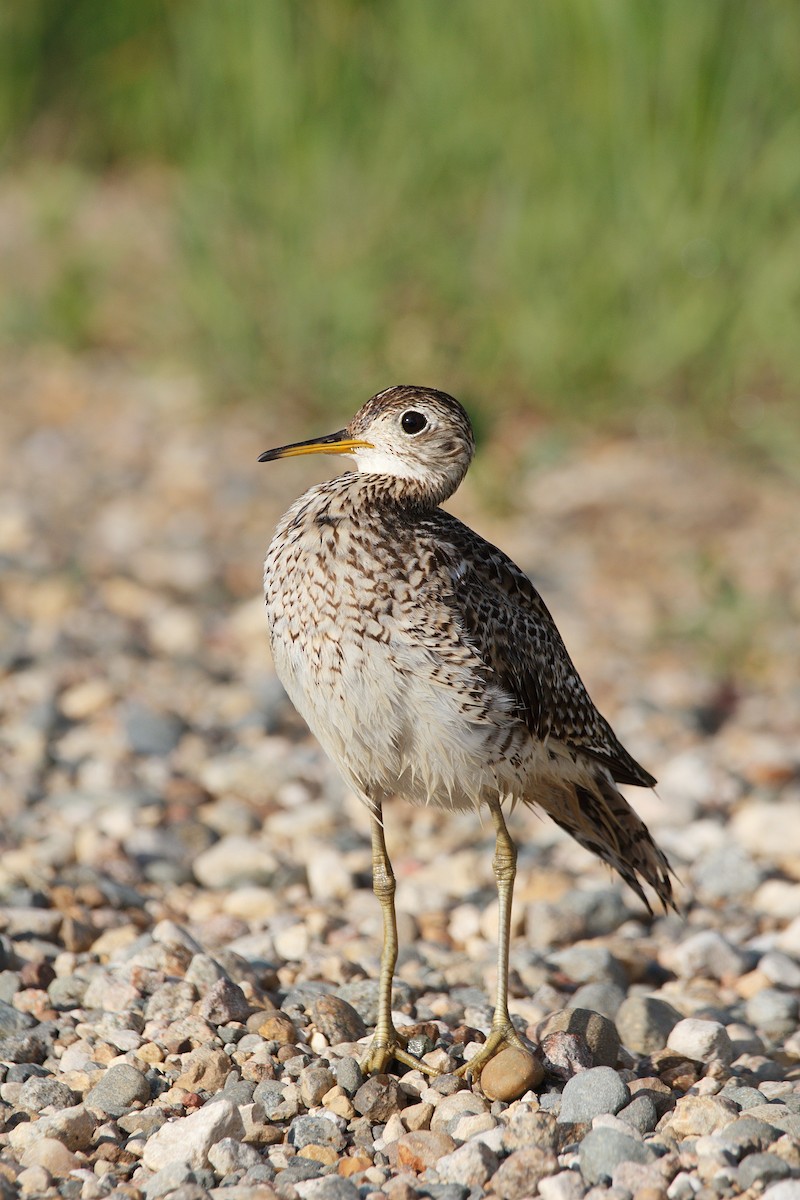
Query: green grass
point(590, 208)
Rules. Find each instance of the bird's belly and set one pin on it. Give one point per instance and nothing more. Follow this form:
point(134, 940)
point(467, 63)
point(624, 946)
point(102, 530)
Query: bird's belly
point(390, 728)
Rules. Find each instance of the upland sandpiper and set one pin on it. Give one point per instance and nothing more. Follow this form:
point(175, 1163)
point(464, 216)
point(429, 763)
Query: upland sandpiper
point(428, 666)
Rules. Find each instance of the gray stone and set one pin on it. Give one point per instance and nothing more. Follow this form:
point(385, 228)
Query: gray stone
point(641, 1114)
point(149, 731)
point(119, 1089)
point(31, 1046)
point(363, 996)
point(67, 992)
point(603, 998)
point(761, 1168)
point(167, 1180)
point(12, 1020)
point(319, 1131)
point(588, 963)
point(645, 1022)
point(275, 1098)
point(745, 1097)
point(746, 1135)
point(773, 1012)
point(37, 1093)
point(727, 873)
point(590, 1093)
point(229, 1154)
point(349, 1075)
point(471, 1164)
point(603, 1149)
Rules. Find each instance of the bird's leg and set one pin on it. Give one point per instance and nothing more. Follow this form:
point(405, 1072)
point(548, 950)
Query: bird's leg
point(502, 1033)
point(387, 1043)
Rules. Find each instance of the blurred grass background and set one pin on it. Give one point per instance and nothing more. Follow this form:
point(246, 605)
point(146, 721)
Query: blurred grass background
point(588, 210)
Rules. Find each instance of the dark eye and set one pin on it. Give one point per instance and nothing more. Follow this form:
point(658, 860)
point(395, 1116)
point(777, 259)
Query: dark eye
point(413, 422)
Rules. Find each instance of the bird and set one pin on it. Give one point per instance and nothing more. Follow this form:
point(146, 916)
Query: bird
point(427, 665)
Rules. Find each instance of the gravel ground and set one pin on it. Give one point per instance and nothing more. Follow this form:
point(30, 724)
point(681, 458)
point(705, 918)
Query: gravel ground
point(188, 938)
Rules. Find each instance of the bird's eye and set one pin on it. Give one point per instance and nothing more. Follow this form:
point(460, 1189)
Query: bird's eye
point(413, 422)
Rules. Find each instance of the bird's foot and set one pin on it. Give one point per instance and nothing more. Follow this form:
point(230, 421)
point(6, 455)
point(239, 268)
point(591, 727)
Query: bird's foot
point(391, 1047)
point(501, 1037)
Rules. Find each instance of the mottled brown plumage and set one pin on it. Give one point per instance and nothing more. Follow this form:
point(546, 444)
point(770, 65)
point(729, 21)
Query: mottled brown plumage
point(428, 665)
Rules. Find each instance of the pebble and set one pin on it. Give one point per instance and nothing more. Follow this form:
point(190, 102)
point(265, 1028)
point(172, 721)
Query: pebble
point(773, 1012)
point(229, 1155)
point(695, 1116)
point(416, 1151)
point(52, 1155)
point(589, 1093)
point(378, 1098)
point(520, 1174)
point(307, 1130)
point(471, 1165)
point(597, 1031)
point(234, 861)
point(189, 1139)
point(337, 1020)
point(705, 1041)
point(603, 1149)
point(121, 1087)
point(644, 1023)
point(510, 1074)
point(707, 954)
point(329, 1188)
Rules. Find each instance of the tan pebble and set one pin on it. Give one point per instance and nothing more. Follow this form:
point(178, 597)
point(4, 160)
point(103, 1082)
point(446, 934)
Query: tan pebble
point(354, 1165)
point(751, 983)
point(418, 1116)
point(418, 1151)
point(150, 1052)
point(83, 699)
point(52, 1155)
point(321, 1154)
point(510, 1074)
point(33, 1181)
point(337, 1101)
point(278, 1028)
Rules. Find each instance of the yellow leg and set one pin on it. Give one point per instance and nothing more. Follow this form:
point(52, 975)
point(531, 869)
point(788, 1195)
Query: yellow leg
point(502, 1033)
point(387, 1043)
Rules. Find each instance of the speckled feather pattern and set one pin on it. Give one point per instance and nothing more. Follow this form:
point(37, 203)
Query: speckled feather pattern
point(423, 658)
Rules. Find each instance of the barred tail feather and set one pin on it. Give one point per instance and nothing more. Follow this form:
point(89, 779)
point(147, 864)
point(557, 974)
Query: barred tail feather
point(598, 817)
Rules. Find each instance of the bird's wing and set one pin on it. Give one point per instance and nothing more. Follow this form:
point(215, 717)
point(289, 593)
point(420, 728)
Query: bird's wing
point(507, 622)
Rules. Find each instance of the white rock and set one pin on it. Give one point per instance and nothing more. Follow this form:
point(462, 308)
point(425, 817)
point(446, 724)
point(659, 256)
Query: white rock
point(328, 875)
point(769, 830)
point(471, 1165)
point(566, 1185)
point(704, 1041)
point(234, 860)
point(787, 1189)
point(189, 1139)
point(706, 954)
